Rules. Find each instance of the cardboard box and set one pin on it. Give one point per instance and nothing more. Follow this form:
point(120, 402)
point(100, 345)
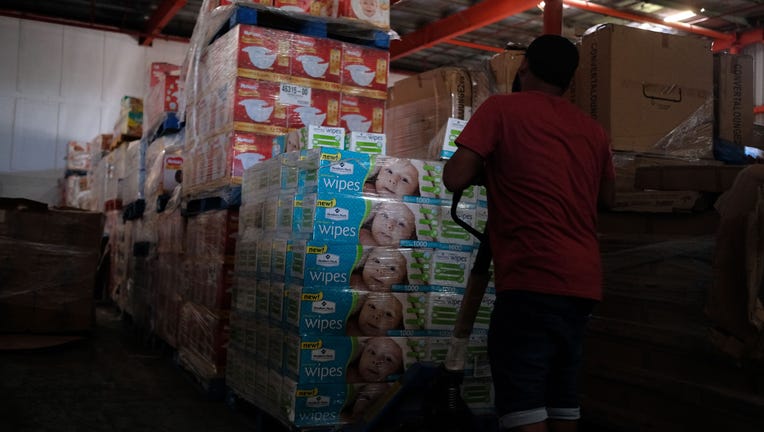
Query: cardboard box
point(658, 223)
point(733, 99)
point(708, 178)
point(420, 105)
point(49, 258)
point(639, 89)
point(661, 201)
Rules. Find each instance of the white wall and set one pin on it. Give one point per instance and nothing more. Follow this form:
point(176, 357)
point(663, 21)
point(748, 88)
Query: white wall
point(58, 84)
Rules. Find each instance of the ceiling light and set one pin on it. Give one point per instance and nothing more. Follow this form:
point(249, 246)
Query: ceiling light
point(680, 16)
point(542, 4)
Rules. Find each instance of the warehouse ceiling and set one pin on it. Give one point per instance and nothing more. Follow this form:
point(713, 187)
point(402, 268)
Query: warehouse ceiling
point(434, 33)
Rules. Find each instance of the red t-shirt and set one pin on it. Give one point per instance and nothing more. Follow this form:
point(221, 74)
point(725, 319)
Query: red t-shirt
point(544, 160)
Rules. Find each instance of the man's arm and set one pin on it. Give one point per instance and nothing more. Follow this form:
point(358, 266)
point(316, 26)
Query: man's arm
point(465, 168)
point(606, 198)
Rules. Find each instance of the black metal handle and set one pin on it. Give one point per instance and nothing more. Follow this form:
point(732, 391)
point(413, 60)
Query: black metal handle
point(470, 229)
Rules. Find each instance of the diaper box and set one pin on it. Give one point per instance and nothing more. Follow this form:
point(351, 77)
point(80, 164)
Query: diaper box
point(350, 359)
point(310, 106)
point(362, 114)
point(365, 71)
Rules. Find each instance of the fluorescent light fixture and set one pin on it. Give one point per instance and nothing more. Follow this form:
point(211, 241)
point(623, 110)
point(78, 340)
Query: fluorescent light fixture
point(542, 4)
point(680, 16)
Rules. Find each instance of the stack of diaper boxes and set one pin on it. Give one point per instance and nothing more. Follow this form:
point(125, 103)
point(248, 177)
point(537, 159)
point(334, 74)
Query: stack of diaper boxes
point(349, 270)
point(256, 83)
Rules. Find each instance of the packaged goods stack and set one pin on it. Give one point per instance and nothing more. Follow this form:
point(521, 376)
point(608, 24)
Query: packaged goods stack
point(53, 254)
point(129, 124)
point(78, 175)
point(343, 256)
point(247, 84)
point(161, 104)
point(163, 196)
point(658, 246)
point(99, 148)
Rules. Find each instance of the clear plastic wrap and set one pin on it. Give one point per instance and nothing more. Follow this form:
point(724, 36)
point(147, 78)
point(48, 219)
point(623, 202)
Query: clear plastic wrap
point(48, 260)
point(162, 96)
point(171, 278)
point(134, 171)
point(211, 246)
point(220, 160)
point(129, 125)
point(164, 169)
point(202, 337)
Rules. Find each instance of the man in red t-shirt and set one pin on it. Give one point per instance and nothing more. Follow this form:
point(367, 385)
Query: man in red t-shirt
point(546, 166)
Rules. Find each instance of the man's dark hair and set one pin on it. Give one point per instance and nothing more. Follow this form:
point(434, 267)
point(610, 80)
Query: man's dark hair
point(553, 59)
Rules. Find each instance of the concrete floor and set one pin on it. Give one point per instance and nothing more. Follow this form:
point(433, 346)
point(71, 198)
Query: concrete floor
point(115, 380)
point(111, 381)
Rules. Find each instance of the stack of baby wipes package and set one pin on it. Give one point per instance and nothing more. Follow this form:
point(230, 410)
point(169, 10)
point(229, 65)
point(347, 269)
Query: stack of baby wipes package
point(349, 269)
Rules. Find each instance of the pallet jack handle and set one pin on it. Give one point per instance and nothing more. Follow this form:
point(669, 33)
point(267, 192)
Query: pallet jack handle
point(473, 294)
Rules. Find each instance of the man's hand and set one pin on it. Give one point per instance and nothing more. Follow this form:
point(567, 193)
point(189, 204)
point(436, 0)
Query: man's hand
point(465, 168)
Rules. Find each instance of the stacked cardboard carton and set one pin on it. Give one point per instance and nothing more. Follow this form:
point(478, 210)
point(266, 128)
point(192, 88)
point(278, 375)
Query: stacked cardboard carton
point(49, 261)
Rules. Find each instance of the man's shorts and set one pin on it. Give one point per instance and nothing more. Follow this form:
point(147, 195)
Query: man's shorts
point(535, 345)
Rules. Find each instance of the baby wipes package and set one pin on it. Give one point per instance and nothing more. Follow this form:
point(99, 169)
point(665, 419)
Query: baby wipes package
point(441, 306)
point(313, 136)
point(348, 312)
point(309, 404)
point(453, 128)
point(349, 359)
point(416, 311)
point(403, 177)
point(366, 142)
point(451, 268)
point(335, 171)
point(377, 221)
point(351, 265)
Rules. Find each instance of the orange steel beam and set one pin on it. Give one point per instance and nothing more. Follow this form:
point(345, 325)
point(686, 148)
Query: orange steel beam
point(482, 14)
point(593, 7)
point(553, 17)
point(164, 13)
point(474, 45)
point(743, 39)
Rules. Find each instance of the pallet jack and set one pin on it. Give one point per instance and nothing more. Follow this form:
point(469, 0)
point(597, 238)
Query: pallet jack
point(427, 397)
